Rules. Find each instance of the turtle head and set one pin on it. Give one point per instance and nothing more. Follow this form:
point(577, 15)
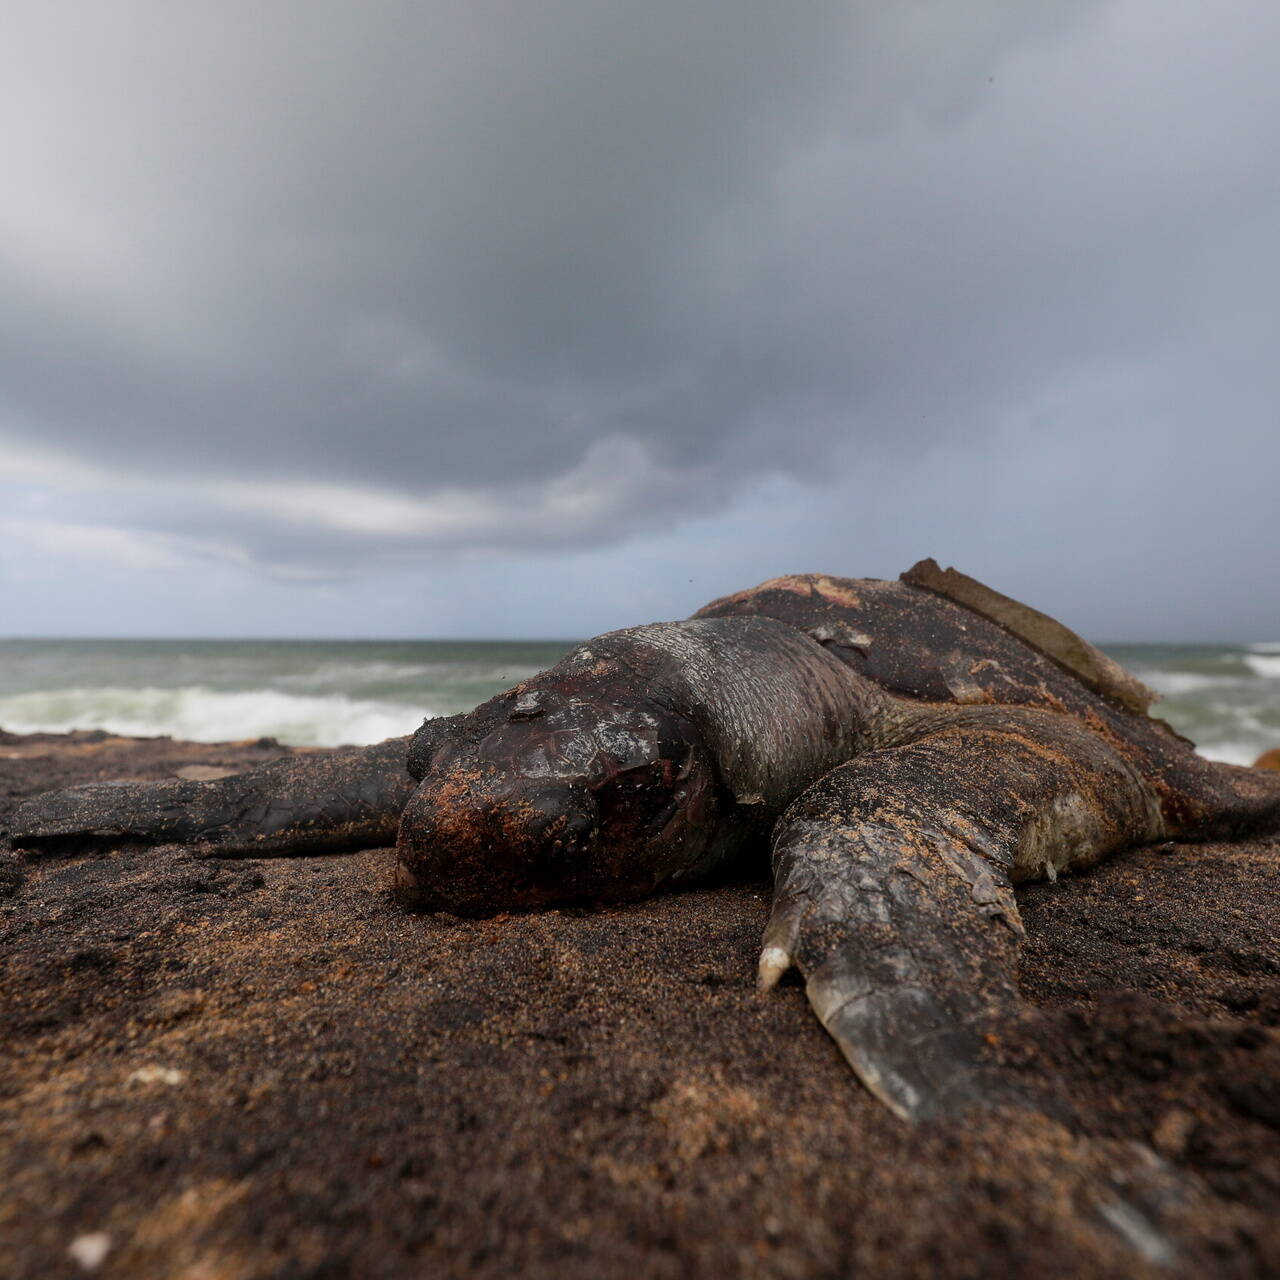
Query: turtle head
point(554, 797)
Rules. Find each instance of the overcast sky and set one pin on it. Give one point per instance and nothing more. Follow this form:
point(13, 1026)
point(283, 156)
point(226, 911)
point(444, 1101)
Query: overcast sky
point(500, 318)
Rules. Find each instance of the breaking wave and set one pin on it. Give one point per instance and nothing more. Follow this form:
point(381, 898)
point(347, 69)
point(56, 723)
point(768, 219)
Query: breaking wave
point(1176, 684)
point(1266, 665)
point(200, 714)
point(1225, 699)
point(304, 693)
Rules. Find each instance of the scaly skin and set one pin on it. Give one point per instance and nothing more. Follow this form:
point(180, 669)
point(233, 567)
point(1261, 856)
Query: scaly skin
point(893, 886)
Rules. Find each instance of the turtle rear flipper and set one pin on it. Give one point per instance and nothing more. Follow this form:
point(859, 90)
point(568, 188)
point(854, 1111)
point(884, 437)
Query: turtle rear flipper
point(893, 890)
point(318, 803)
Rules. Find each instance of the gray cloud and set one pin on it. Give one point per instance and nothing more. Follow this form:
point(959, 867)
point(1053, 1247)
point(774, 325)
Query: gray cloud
point(352, 285)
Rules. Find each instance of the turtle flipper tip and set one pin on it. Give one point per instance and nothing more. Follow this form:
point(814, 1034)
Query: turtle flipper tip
point(81, 815)
point(920, 1061)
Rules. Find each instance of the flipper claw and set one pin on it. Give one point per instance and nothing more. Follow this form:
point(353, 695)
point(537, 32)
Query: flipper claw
point(774, 962)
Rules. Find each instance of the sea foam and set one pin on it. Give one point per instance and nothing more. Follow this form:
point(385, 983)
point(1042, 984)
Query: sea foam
point(1266, 665)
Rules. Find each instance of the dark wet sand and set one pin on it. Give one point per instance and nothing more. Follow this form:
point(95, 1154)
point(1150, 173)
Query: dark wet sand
point(244, 1069)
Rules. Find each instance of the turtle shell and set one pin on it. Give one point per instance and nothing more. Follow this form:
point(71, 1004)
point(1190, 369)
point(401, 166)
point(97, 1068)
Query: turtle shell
point(919, 643)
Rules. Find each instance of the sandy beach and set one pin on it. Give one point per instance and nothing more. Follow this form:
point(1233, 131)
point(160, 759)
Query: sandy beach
point(217, 1068)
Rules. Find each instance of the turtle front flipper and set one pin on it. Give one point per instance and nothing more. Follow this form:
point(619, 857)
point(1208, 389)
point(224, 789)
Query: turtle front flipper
point(893, 890)
point(307, 803)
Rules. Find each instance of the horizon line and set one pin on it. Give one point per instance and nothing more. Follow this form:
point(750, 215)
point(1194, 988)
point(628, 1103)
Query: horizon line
point(465, 639)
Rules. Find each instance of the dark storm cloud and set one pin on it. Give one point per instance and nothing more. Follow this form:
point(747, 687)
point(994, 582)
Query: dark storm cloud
point(318, 282)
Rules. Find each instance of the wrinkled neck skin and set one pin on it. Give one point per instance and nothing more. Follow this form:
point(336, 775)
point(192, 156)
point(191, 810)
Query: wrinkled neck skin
point(644, 757)
point(775, 710)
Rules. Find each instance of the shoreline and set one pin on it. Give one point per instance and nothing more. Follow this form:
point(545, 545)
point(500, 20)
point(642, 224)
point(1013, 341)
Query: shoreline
point(265, 1068)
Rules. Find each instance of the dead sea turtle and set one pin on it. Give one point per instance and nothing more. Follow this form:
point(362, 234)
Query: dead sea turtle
point(915, 747)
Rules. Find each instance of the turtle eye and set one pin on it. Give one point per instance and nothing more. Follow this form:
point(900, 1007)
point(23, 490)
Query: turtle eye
point(628, 747)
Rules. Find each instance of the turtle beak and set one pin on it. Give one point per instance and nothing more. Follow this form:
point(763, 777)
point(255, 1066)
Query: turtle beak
point(475, 842)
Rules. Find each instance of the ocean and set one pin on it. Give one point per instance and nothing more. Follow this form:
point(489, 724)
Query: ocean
point(1226, 698)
